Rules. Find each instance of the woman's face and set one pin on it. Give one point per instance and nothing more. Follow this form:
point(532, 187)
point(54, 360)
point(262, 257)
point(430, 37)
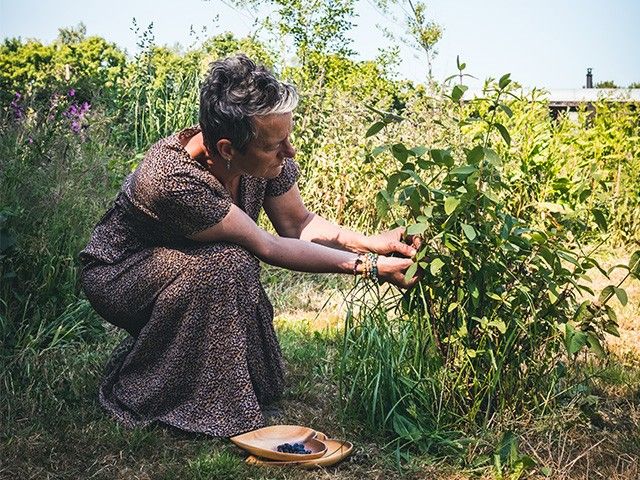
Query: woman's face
point(265, 154)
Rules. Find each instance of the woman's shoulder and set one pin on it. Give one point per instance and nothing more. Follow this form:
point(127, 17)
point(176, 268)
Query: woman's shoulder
point(168, 153)
point(167, 168)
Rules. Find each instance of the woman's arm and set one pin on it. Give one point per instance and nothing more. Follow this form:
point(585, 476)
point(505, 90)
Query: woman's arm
point(291, 218)
point(236, 227)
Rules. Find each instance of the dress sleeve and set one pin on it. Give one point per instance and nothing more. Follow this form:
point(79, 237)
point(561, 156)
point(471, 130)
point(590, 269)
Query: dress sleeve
point(283, 182)
point(188, 204)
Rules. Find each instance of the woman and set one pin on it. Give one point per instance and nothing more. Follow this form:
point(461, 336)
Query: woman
point(175, 261)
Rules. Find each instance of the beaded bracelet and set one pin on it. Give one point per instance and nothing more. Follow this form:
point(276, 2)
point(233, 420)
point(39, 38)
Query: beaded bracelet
point(356, 263)
point(374, 266)
point(369, 263)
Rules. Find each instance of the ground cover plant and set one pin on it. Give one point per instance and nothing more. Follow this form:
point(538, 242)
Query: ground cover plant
point(493, 366)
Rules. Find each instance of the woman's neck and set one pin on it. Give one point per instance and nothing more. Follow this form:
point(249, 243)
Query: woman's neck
point(215, 164)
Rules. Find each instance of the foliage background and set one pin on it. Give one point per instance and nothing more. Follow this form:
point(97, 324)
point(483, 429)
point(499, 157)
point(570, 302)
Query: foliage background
point(78, 114)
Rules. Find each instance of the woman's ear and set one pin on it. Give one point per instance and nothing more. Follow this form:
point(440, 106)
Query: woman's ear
point(225, 149)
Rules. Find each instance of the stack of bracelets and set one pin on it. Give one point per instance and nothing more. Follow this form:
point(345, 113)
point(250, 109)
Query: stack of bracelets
point(369, 263)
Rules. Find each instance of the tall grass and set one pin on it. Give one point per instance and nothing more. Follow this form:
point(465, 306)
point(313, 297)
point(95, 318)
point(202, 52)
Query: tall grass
point(55, 185)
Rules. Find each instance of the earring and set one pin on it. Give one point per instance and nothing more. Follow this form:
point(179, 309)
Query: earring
point(228, 163)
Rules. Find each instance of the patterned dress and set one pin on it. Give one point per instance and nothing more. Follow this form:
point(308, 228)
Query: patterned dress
point(203, 355)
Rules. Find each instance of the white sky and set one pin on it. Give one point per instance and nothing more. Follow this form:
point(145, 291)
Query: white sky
point(544, 43)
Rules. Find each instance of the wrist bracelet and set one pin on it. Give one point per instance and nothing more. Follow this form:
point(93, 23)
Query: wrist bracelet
point(369, 263)
point(373, 266)
point(357, 262)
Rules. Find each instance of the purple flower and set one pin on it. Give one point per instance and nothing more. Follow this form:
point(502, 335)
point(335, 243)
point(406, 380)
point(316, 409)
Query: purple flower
point(72, 92)
point(75, 113)
point(18, 110)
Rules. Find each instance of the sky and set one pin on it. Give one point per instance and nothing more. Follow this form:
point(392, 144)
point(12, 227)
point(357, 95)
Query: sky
point(543, 43)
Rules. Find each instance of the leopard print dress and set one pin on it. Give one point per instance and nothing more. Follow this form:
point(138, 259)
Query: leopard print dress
point(202, 355)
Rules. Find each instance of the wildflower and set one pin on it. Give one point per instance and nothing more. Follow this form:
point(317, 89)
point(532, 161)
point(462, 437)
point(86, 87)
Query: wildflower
point(72, 92)
point(18, 109)
point(75, 114)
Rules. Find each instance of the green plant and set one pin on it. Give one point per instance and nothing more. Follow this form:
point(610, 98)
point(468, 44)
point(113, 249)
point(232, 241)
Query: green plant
point(498, 309)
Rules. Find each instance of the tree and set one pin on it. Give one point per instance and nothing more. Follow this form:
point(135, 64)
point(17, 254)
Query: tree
point(72, 35)
point(314, 26)
point(426, 33)
point(606, 84)
point(423, 33)
point(634, 85)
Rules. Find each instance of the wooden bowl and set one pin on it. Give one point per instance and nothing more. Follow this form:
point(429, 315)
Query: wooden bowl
point(264, 442)
point(337, 450)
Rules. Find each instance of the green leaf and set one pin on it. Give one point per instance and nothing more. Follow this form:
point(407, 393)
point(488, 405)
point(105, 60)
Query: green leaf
point(450, 204)
point(634, 264)
point(611, 313)
point(382, 204)
point(491, 196)
point(457, 92)
point(584, 194)
point(538, 237)
point(411, 271)
point(452, 307)
point(475, 155)
point(504, 132)
point(463, 170)
point(378, 150)
point(605, 293)
point(612, 329)
point(375, 128)
point(622, 295)
point(574, 340)
point(504, 80)
point(442, 157)
point(400, 152)
point(436, 266)
point(419, 151)
point(506, 110)
point(393, 181)
point(600, 219)
point(469, 231)
point(417, 229)
point(492, 157)
point(498, 324)
point(595, 345)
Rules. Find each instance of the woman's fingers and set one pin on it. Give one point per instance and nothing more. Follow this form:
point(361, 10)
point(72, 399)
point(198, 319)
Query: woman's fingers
point(393, 270)
point(414, 240)
point(404, 249)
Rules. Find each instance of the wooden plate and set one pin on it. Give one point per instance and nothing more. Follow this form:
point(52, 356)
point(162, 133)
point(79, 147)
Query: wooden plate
point(264, 442)
point(337, 450)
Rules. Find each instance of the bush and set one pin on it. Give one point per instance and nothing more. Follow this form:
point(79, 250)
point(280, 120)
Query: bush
point(498, 316)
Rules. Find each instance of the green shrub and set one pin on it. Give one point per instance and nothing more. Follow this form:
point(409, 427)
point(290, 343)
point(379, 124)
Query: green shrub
point(498, 313)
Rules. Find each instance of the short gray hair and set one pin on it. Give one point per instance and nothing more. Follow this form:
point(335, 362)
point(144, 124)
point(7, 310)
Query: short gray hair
point(234, 91)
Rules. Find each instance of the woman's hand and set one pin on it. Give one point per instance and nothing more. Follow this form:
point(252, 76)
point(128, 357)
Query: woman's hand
point(391, 241)
point(393, 269)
